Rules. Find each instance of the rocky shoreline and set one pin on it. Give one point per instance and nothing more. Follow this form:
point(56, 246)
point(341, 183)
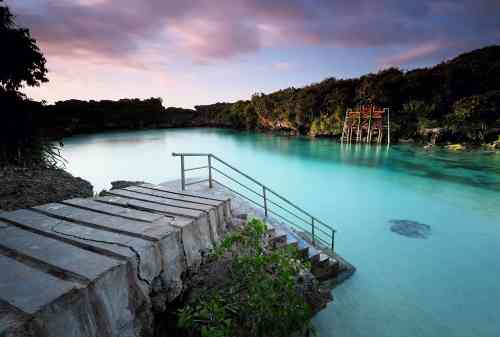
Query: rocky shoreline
point(27, 187)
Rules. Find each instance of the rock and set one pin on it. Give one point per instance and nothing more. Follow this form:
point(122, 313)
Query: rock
point(309, 288)
point(455, 147)
point(407, 141)
point(428, 147)
point(432, 135)
point(27, 187)
point(124, 183)
point(410, 228)
point(242, 216)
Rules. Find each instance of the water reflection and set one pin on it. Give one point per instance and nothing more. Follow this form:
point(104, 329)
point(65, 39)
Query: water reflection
point(459, 168)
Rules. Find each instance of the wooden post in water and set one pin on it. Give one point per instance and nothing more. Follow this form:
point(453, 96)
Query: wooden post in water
point(358, 135)
point(388, 127)
point(369, 135)
point(344, 127)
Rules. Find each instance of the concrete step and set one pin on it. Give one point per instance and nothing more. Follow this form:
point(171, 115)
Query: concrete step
point(158, 200)
point(223, 204)
point(279, 239)
point(172, 196)
point(153, 208)
point(85, 217)
point(86, 267)
point(216, 212)
point(123, 212)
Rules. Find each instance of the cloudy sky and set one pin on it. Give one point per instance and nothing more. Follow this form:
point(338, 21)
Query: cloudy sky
point(193, 52)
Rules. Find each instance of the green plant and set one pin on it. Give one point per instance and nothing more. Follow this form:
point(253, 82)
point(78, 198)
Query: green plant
point(260, 298)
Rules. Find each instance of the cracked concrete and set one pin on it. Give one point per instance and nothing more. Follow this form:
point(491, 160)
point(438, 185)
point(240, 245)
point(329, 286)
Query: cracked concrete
point(103, 266)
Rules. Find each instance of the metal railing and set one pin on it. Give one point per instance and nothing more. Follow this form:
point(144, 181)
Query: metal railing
point(320, 233)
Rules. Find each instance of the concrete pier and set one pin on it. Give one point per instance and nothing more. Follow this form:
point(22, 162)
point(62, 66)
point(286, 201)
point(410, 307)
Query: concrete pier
point(103, 266)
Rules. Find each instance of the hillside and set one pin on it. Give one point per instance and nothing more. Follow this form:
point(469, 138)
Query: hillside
point(457, 100)
point(461, 97)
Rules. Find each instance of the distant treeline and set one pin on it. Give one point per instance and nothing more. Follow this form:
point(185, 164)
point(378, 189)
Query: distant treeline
point(74, 116)
point(459, 99)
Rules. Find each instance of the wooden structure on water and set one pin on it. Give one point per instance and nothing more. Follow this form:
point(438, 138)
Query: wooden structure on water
point(368, 124)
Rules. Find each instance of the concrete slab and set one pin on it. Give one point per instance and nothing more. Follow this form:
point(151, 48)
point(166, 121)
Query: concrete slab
point(98, 267)
point(123, 212)
point(144, 256)
point(216, 213)
point(197, 231)
point(158, 200)
point(30, 289)
point(55, 256)
point(140, 229)
point(174, 188)
point(169, 211)
point(173, 196)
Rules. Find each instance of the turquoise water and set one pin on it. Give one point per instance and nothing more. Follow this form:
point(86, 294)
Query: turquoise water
point(446, 285)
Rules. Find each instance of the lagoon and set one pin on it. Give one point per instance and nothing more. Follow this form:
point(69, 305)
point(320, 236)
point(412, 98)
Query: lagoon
point(445, 284)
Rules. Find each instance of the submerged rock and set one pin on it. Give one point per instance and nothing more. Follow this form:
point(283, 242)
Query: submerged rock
point(455, 147)
point(410, 228)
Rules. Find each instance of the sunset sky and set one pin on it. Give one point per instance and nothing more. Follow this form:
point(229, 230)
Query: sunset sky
point(193, 52)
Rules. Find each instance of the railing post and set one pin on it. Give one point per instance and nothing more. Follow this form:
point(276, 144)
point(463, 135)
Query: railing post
point(312, 231)
point(210, 171)
point(183, 177)
point(333, 240)
point(265, 200)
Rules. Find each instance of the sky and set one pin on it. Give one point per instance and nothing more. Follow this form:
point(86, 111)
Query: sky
point(192, 52)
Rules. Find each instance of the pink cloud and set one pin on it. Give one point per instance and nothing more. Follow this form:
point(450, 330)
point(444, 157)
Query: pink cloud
point(412, 54)
point(208, 30)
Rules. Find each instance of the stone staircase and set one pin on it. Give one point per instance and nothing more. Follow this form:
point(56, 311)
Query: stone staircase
point(323, 265)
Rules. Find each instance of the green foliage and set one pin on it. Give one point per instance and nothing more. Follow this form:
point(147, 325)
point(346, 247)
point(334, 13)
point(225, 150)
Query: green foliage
point(75, 116)
point(262, 299)
point(20, 60)
point(475, 114)
point(420, 98)
point(21, 142)
point(325, 125)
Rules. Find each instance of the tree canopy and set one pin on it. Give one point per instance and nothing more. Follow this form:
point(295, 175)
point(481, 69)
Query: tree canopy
point(458, 95)
point(21, 61)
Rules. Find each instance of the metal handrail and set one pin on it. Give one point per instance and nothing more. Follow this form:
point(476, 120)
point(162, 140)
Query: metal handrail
point(315, 224)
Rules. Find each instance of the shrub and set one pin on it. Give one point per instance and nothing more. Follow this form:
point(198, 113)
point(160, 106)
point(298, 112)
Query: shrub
point(21, 141)
point(261, 298)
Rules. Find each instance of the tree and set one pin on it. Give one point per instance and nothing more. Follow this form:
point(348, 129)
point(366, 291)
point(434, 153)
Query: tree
point(21, 61)
point(474, 115)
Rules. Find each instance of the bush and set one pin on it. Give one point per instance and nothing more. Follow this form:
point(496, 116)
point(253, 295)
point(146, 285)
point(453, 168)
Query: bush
point(261, 298)
point(474, 115)
point(21, 141)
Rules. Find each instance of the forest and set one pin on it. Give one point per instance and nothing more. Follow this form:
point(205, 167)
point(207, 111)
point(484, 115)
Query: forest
point(459, 97)
point(75, 116)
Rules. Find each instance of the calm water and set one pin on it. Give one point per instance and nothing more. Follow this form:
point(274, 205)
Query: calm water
point(446, 285)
